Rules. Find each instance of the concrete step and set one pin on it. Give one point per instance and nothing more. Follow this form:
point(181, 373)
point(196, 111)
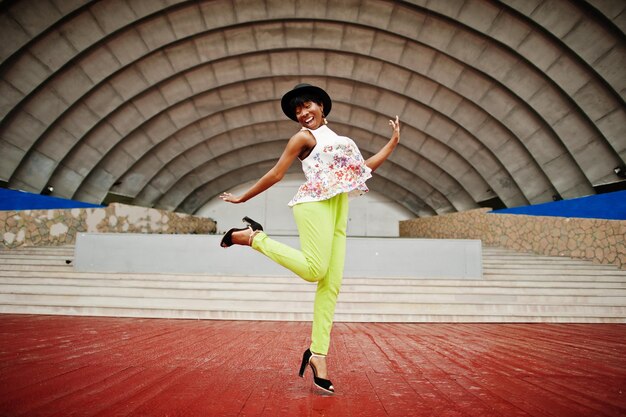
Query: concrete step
point(514, 288)
point(288, 293)
point(349, 285)
point(296, 310)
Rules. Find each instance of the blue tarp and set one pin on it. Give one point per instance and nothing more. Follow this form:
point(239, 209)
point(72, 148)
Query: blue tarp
point(610, 206)
point(21, 200)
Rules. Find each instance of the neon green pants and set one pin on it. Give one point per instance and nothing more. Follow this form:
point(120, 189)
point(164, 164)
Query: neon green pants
point(322, 228)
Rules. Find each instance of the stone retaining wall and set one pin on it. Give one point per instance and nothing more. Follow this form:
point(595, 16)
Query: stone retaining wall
point(602, 241)
point(60, 226)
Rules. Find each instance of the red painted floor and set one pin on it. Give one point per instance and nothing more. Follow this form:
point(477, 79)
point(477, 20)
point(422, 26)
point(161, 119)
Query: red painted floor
point(81, 366)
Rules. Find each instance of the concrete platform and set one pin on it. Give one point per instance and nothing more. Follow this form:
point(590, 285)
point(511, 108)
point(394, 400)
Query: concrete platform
point(201, 254)
point(80, 366)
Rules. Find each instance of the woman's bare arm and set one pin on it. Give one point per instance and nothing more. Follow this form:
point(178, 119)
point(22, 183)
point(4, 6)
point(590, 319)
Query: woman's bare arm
point(381, 156)
point(292, 150)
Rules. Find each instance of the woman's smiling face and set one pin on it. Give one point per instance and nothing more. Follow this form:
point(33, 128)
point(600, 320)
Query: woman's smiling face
point(310, 114)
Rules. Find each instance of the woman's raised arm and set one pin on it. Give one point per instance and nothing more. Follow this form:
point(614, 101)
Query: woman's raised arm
point(381, 156)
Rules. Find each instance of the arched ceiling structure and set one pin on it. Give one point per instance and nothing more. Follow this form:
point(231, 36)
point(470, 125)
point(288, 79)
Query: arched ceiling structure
point(170, 102)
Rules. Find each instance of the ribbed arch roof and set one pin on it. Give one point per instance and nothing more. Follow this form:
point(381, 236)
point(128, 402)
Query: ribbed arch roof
point(519, 100)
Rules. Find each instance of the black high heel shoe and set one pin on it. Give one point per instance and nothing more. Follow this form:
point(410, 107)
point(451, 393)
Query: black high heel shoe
point(321, 383)
point(252, 224)
point(227, 240)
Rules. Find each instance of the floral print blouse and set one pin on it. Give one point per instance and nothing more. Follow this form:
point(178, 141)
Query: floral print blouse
point(333, 167)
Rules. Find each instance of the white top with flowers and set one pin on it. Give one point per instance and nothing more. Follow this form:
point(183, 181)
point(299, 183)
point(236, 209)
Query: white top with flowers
point(333, 167)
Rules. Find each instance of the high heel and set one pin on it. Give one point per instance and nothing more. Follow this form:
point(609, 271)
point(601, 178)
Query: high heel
point(227, 240)
point(254, 227)
point(321, 383)
point(252, 224)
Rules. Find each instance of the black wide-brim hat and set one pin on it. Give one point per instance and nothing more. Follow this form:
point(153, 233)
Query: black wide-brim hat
point(304, 90)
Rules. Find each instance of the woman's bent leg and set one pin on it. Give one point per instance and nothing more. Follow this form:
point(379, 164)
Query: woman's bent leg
point(315, 223)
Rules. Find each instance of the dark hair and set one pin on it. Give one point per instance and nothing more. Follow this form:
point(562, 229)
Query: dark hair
point(301, 99)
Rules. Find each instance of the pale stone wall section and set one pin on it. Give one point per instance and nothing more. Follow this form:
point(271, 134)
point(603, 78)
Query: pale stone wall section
point(60, 227)
point(602, 241)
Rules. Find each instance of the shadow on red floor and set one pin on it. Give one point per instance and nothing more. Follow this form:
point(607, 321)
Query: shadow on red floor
point(85, 366)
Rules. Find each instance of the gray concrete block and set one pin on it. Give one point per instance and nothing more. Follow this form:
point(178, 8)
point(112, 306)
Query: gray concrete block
point(14, 35)
point(182, 56)
point(9, 96)
point(374, 13)
point(327, 36)
point(614, 126)
point(116, 163)
point(523, 81)
point(493, 135)
point(441, 128)
point(406, 22)
point(56, 143)
point(437, 33)
point(156, 32)
point(522, 122)
point(46, 106)
point(589, 40)
point(128, 83)
point(113, 15)
point(249, 10)
point(11, 157)
point(155, 68)
point(610, 67)
point(99, 64)
point(127, 48)
point(470, 117)
point(72, 84)
point(270, 36)
point(186, 21)
point(388, 47)
point(576, 133)
point(371, 257)
point(496, 62)
point(26, 73)
point(136, 144)
point(159, 128)
point(445, 70)
point(473, 85)
point(65, 181)
point(283, 63)
point(82, 31)
point(597, 162)
point(538, 50)
point(23, 130)
point(104, 102)
point(558, 17)
point(240, 40)
point(466, 46)
point(36, 171)
point(102, 138)
point(220, 13)
point(421, 89)
point(79, 120)
point(358, 40)
point(34, 16)
point(82, 159)
point(53, 50)
point(446, 101)
point(478, 14)
point(143, 8)
point(417, 58)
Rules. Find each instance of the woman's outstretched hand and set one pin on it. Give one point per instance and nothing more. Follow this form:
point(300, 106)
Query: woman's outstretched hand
point(229, 198)
point(395, 124)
